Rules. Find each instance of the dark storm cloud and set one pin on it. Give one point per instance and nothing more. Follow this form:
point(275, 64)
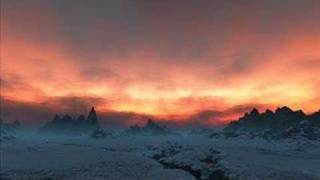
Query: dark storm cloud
point(30, 19)
point(189, 32)
point(141, 23)
point(109, 26)
point(183, 32)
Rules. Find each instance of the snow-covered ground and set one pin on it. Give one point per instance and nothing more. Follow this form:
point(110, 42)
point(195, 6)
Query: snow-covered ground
point(35, 156)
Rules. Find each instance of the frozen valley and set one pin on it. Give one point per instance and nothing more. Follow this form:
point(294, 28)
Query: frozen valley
point(30, 155)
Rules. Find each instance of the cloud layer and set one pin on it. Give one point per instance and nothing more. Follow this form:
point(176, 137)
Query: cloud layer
point(161, 58)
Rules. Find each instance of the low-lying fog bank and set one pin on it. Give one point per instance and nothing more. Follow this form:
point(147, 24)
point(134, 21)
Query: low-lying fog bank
point(139, 154)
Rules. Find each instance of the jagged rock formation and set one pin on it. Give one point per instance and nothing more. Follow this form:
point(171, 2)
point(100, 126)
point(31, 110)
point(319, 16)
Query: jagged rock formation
point(92, 117)
point(151, 128)
point(283, 123)
point(69, 125)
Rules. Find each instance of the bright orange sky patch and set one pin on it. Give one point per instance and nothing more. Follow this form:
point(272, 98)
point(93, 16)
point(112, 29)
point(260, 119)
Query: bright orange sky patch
point(139, 59)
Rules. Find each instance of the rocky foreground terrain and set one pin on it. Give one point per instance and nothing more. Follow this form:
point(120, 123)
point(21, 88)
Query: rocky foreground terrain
point(281, 124)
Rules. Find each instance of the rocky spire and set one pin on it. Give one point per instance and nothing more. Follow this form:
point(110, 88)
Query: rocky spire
point(92, 117)
point(254, 112)
point(283, 110)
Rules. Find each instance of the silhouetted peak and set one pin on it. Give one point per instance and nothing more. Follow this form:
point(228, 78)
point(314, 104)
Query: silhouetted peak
point(300, 112)
point(68, 124)
point(269, 112)
point(92, 110)
point(92, 117)
point(283, 109)
point(315, 116)
point(277, 124)
point(254, 112)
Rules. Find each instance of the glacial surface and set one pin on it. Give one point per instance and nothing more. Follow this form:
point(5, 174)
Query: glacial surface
point(30, 155)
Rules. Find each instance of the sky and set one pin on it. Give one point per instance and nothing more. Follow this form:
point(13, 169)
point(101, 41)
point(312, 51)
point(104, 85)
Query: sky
point(196, 62)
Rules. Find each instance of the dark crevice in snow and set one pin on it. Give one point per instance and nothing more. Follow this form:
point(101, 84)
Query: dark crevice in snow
point(108, 149)
point(187, 168)
point(211, 170)
point(89, 146)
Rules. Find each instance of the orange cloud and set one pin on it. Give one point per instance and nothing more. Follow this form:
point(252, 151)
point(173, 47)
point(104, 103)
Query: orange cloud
point(172, 65)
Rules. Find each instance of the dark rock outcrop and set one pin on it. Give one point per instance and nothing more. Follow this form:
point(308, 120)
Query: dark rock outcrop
point(92, 117)
point(151, 128)
point(69, 125)
point(283, 123)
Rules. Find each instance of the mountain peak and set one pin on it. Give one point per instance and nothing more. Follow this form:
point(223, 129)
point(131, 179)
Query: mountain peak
point(284, 109)
point(92, 117)
point(92, 110)
point(268, 111)
point(254, 112)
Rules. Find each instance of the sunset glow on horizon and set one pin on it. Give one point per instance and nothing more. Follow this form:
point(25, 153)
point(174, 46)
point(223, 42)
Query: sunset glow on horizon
point(159, 58)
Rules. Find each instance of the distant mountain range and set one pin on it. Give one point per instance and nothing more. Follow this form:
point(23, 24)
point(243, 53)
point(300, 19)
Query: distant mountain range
point(151, 128)
point(282, 123)
point(67, 124)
